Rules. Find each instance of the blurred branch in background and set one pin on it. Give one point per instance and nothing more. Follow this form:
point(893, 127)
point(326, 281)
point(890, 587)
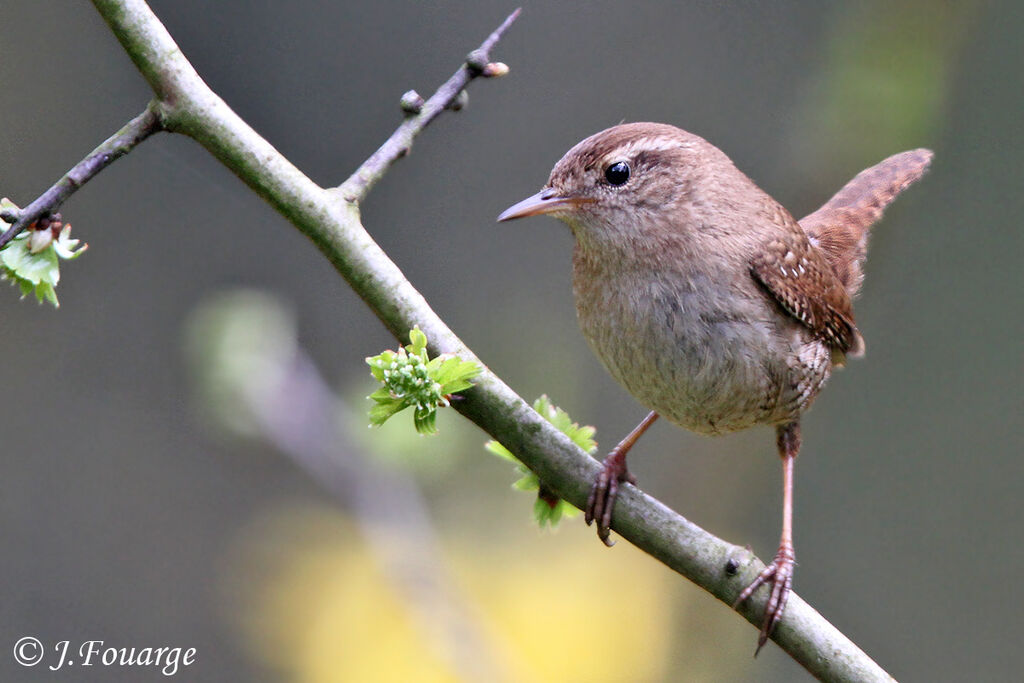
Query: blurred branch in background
point(256, 381)
point(375, 592)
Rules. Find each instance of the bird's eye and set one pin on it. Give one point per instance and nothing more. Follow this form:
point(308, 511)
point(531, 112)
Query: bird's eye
point(617, 173)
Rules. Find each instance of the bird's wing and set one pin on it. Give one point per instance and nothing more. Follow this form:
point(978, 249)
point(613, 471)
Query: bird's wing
point(799, 278)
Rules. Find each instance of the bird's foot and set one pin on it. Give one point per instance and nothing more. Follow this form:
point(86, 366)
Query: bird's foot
point(780, 575)
point(605, 490)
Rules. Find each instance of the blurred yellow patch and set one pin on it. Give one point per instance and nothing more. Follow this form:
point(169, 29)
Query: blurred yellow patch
point(317, 603)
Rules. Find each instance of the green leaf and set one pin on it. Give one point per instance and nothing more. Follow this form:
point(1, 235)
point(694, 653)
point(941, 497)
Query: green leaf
point(44, 290)
point(32, 259)
point(35, 268)
point(454, 374)
point(425, 420)
point(409, 378)
point(380, 394)
point(64, 246)
point(418, 341)
point(547, 509)
point(500, 451)
point(549, 514)
point(546, 514)
point(380, 413)
point(528, 482)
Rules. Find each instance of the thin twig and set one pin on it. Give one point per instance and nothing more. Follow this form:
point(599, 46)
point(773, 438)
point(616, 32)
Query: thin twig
point(398, 145)
point(117, 145)
point(333, 224)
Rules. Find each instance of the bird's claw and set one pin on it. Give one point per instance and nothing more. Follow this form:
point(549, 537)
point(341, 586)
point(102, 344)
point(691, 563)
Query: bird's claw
point(780, 575)
point(604, 492)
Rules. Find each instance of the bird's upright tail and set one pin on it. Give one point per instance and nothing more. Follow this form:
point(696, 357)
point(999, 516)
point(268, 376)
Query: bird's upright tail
point(840, 227)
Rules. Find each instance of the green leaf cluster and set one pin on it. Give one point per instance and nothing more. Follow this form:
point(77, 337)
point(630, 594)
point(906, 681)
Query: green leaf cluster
point(32, 259)
point(548, 509)
point(411, 379)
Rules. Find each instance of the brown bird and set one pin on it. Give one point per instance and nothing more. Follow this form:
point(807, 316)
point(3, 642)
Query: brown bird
point(705, 299)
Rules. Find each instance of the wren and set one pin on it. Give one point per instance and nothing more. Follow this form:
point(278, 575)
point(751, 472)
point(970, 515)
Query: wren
point(705, 299)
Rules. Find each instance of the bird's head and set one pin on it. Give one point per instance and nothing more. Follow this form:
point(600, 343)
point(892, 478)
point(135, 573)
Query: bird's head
point(625, 180)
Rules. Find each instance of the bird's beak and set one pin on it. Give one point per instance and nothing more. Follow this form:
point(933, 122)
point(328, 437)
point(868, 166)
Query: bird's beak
point(545, 201)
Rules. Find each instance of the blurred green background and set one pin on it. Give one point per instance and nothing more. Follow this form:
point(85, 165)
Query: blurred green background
point(127, 515)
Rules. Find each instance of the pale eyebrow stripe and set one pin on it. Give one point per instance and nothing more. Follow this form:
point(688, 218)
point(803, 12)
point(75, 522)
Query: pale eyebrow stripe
point(656, 144)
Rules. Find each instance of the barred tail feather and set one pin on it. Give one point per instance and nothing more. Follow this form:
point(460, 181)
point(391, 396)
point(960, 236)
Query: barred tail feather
point(840, 228)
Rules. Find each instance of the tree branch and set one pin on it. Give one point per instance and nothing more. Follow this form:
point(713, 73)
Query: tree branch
point(478, 63)
point(331, 220)
point(114, 147)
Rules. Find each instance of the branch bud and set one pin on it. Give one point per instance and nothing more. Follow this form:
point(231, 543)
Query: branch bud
point(494, 70)
point(412, 102)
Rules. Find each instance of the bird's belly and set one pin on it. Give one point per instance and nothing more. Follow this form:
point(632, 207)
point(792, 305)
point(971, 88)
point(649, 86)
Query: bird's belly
point(709, 368)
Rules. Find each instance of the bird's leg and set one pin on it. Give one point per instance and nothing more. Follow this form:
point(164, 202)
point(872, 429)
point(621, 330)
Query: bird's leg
point(780, 572)
point(606, 485)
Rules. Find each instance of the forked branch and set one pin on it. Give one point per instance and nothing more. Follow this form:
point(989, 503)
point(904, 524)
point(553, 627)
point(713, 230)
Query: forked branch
point(478, 63)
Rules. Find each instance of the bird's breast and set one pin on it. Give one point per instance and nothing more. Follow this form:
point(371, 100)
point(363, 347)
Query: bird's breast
point(702, 350)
